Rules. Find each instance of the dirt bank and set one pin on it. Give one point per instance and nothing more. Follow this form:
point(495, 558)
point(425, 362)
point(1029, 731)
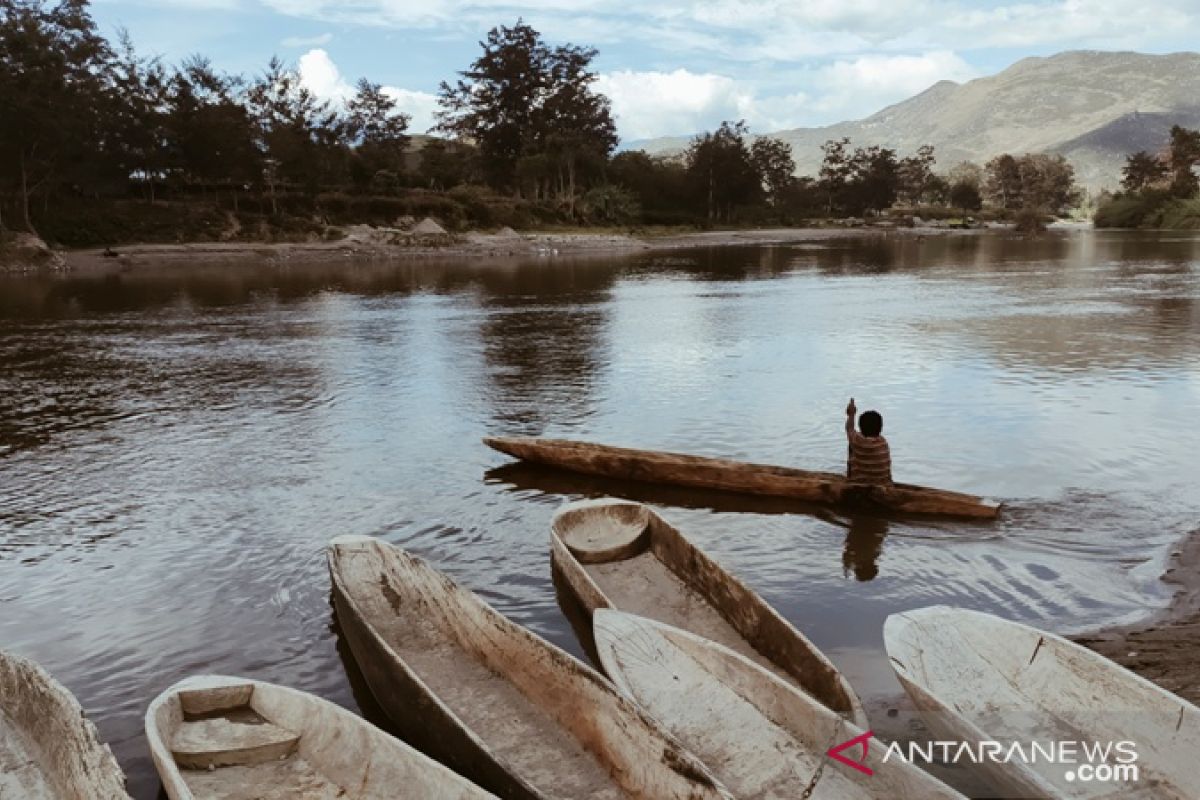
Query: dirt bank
point(363, 242)
point(1166, 648)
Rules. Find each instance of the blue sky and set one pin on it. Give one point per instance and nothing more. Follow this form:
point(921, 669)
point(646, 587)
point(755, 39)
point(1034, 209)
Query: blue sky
point(670, 67)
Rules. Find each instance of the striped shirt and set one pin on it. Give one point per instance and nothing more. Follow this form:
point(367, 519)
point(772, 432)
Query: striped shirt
point(870, 459)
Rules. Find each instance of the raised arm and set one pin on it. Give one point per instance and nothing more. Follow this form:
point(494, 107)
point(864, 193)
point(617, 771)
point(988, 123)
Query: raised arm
point(850, 411)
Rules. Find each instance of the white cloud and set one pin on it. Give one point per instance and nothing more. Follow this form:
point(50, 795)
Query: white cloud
point(857, 87)
point(418, 105)
point(652, 104)
point(307, 41)
point(321, 76)
point(649, 104)
point(789, 31)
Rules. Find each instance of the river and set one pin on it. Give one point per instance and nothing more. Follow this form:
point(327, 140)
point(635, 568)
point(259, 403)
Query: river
point(178, 445)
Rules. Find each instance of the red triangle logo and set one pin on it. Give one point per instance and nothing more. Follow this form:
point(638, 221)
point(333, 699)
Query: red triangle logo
point(859, 764)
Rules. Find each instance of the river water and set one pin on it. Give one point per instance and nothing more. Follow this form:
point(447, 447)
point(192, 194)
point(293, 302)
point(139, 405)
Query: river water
point(177, 445)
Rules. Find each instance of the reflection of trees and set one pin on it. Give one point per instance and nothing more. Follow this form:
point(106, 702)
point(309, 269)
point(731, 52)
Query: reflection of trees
point(541, 333)
point(864, 544)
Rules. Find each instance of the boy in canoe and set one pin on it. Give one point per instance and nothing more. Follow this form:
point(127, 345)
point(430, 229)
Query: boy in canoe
point(870, 460)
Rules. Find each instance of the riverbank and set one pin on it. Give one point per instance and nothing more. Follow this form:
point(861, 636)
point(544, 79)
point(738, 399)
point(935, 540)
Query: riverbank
point(1166, 648)
point(381, 244)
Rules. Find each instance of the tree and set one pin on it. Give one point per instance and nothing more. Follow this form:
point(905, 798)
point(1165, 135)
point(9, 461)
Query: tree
point(378, 130)
point(213, 136)
point(53, 92)
point(1047, 183)
point(1035, 182)
point(917, 182)
point(445, 165)
point(661, 185)
point(1185, 154)
point(302, 138)
point(1142, 171)
point(772, 160)
point(966, 171)
point(720, 167)
point(874, 179)
point(1002, 186)
point(523, 99)
point(965, 195)
point(835, 171)
point(140, 116)
point(574, 125)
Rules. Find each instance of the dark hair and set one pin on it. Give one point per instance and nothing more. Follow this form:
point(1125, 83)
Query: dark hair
point(870, 423)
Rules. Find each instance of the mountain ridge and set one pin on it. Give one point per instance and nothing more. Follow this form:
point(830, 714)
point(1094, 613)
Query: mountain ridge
point(1065, 103)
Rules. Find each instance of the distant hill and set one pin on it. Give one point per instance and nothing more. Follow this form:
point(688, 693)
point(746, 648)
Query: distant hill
point(1093, 107)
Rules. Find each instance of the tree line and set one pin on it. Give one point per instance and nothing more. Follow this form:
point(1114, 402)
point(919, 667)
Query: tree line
point(93, 122)
point(1158, 190)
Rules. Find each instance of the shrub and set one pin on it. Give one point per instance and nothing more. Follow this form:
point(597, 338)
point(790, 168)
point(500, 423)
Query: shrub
point(1126, 211)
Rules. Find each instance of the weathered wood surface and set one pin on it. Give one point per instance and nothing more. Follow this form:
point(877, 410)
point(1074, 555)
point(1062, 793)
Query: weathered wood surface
point(977, 677)
point(501, 705)
point(762, 737)
point(622, 555)
point(238, 739)
point(48, 749)
point(827, 488)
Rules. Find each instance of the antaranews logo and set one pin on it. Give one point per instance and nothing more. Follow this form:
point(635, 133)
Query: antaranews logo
point(1082, 761)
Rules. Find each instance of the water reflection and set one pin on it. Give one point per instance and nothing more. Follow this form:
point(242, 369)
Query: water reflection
point(864, 545)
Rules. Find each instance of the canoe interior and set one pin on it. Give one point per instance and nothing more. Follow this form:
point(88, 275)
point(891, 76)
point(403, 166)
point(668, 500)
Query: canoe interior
point(734, 476)
point(233, 739)
point(539, 714)
point(771, 739)
point(968, 671)
point(622, 555)
point(48, 749)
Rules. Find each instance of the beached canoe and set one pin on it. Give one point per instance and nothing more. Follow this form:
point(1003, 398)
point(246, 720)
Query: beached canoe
point(827, 488)
point(976, 677)
point(622, 555)
point(762, 737)
point(48, 749)
point(484, 695)
point(213, 736)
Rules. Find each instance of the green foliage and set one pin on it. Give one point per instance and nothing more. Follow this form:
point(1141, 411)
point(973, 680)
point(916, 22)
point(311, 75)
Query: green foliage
point(917, 182)
point(1029, 220)
point(1143, 171)
point(1184, 155)
point(378, 130)
point(721, 171)
point(521, 99)
point(1127, 211)
point(772, 160)
point(610, 205)
point(1156, 209)
point(965, 195)
point(870, 179)
point(1032, 181)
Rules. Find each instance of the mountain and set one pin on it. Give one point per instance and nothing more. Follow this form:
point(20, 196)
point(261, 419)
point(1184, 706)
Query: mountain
point(1093, 107)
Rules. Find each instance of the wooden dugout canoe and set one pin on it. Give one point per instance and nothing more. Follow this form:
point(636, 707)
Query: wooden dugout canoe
point(827, 488)
point(622, 555)
point(484, 695)
point(762, 737)
point(976, 677)
point(48, 749)
point(237, 739)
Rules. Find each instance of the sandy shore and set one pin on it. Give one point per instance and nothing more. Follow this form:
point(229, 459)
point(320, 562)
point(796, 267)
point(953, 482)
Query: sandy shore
point(1166, 648)
point(378, 244)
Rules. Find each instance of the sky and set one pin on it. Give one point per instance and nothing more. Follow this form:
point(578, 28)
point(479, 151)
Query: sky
point(670, 67)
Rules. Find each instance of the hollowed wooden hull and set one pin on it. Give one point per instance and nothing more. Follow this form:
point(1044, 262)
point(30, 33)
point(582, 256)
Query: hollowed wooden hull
point(676, 469)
